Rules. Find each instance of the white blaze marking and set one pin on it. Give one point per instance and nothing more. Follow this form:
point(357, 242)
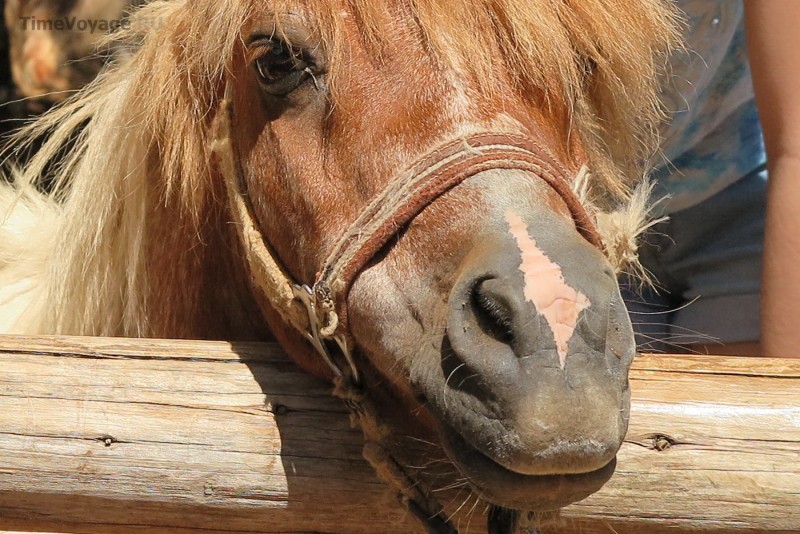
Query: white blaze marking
point(546, 289)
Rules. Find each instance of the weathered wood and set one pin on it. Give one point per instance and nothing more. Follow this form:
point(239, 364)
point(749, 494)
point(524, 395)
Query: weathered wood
point(104, 435)
point(713, 446)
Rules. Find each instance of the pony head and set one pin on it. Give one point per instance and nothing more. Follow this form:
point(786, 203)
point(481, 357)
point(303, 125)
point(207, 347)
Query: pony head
point(488, 321)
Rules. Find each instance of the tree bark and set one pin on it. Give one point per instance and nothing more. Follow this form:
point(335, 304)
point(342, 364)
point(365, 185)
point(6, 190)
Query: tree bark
point(113, 435)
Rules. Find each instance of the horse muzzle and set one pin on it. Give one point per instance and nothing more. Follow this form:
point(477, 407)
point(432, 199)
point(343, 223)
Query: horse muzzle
point(535, 359)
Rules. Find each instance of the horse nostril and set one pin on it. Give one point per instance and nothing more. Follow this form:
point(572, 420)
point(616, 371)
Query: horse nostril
point(493, 313)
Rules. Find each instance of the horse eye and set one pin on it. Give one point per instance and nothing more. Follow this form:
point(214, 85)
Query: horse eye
point(280, 69)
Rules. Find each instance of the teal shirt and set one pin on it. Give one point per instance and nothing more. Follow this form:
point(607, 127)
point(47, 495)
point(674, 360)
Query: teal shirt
point(714, 136)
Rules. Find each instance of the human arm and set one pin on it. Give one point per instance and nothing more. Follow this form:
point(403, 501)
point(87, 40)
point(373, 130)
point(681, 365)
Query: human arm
point(773, 28)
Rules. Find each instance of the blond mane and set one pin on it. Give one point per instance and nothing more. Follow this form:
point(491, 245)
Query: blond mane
point(139, 140)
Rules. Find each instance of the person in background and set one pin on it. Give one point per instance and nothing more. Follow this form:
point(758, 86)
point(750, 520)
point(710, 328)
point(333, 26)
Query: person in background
point(773, 38)
point(727, 262)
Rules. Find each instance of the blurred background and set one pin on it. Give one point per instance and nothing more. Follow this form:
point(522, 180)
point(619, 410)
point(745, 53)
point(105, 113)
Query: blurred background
point(44, 56)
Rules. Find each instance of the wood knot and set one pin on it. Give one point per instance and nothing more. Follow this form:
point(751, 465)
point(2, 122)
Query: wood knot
point(107, 440)
point(662, 442)
point(656, 442)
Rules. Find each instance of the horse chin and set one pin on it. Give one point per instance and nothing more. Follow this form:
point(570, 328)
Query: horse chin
point(503, 487)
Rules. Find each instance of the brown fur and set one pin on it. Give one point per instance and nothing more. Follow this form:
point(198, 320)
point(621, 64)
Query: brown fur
point(149, 135)
point(140, 243)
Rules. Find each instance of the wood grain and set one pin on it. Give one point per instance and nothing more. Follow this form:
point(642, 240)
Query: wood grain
point(112, 435)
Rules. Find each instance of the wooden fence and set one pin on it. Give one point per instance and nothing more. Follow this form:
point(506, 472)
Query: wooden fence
point(117, 436)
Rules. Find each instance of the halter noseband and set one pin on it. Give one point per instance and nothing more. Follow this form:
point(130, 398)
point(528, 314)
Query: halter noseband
point(323, 314)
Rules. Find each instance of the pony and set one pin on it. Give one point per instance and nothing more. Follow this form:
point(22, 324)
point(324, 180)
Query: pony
point(425, 202)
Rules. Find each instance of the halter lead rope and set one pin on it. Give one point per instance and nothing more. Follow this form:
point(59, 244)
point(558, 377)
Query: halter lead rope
point(319, 313)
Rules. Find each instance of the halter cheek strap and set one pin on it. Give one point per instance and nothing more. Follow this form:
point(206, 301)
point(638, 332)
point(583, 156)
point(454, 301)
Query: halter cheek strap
point(319, 312)
point(293, 302)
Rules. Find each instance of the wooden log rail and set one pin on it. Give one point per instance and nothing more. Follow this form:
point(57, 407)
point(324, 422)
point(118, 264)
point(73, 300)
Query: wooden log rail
point(118, 436)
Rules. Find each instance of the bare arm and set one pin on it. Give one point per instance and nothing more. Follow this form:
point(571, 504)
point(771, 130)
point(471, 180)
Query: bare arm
point(773, 28)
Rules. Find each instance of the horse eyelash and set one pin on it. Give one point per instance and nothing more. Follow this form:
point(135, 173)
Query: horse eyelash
point(257, 51)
